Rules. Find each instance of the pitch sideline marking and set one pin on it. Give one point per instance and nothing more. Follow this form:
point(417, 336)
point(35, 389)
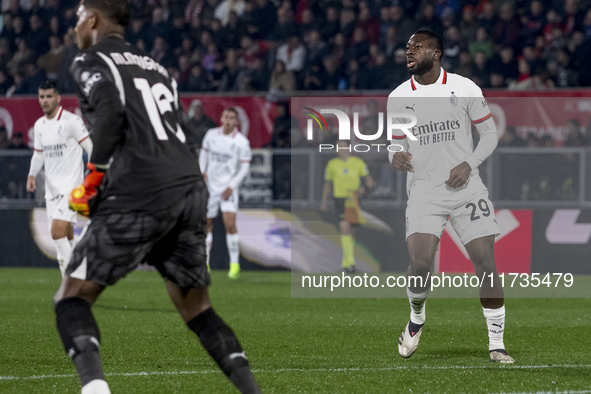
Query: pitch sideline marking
point(282, 370)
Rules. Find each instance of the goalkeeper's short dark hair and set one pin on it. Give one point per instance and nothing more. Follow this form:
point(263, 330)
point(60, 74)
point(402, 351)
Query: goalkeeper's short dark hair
point(49, 85)
point(434, 37)
point(117, 11)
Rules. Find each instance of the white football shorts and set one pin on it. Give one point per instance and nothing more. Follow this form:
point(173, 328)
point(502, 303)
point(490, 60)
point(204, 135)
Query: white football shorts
point(471, 217)
point(215, 202)
point(58, 208)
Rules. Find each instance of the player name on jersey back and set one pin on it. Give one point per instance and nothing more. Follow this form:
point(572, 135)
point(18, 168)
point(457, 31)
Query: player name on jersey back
point(143, 62)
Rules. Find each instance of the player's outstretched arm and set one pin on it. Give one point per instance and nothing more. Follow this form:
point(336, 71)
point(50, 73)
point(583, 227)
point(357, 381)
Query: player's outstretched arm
point(326, 190)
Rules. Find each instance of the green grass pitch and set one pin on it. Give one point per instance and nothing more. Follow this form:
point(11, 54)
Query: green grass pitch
point(294, 345)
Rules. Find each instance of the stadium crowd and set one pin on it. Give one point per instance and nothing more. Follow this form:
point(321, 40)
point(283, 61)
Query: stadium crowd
point(265, 45)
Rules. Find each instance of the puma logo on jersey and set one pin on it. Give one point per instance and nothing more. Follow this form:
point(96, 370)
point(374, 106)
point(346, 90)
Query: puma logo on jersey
point(411, 108)
point(91, 81)
point(498, 325)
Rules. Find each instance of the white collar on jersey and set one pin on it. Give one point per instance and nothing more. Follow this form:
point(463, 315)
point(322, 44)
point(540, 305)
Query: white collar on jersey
point(57, 117)
point(232, 134)
point(442, 80)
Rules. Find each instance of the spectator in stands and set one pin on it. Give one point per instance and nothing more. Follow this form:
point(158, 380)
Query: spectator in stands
point(37, 36)
point(292, 54)
point(19, 85)
point(251, 49)
point(65, 82)
point(17, 141)
point(309, 24)
point(5, 82)
point(385, 22)
point(7, 30)
point(581, 62)
point(34, 77)
point(51, 61)
point(262, 20)
point(468, 24)
point(282, 79)
point(215, 76)
point(157, 28)
point(331, 25)
point(223, 10)
point(160, 51)
point(199, 122)
point(55, 27)
point(572, 17)
point(428, 19)
point(312, 76)
point(510, 138)
point(563, 75)
point(529, 54)
point(378, 74)
point(390, 43)
point(316, 49)
point(359, 48)
point(404, 26)
point(508, 27)
point(285, 26)
point(197, 81)
point(369, 25)
point(178, 31)
point(4, 141)
point(399, 68)
point(212, 54)
point(18, 32)
point(280, 138)
point(136, 31)
point(347, 22)
point(496, 81)
point(184, 67)
point(482, 44)
point(331, 75)
point(466, 65)
point(5, 53)
point(532, 22)
point(233, 74)
point(21, 57)
point(230, 35)
point(575, 136)
point(256, 79)
point(505, 64)
point(453, 46)
point(354, 78)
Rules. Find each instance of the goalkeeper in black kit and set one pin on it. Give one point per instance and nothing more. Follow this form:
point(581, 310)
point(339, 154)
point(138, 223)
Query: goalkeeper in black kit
point(144, 193)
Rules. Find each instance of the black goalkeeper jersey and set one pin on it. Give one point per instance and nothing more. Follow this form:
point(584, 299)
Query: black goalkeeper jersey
point(137, 123)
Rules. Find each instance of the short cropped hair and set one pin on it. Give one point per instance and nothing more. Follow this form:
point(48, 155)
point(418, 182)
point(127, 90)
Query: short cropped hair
point(117, 11)
point(49, 85)
point(232, 109)
point(434, 37)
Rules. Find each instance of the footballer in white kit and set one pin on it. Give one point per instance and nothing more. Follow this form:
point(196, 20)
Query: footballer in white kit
point(225, 161)
point(443, 180)
point(59, 137)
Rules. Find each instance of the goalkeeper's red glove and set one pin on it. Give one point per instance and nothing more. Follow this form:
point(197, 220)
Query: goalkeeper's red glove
point(81, 196)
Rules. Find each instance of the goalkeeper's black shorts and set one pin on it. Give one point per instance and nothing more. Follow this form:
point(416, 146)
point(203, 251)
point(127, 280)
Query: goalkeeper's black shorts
point(172, 240)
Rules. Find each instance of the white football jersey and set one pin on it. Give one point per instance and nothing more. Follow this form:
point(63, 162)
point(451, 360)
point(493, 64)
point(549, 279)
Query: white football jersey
point(223, 155)
point(59, 140)
point(445, 112)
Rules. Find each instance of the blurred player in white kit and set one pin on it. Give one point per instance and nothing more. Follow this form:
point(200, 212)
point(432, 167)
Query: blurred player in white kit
point(60, 137)
point(225, 161)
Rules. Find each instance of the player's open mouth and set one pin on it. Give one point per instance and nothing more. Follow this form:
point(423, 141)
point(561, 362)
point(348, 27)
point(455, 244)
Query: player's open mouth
point(410, 63)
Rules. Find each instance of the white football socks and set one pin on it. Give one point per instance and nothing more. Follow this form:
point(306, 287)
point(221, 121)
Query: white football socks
point(208, 242)
point(495, 320)
point(233, 242)
point(97, 386)
point(417, 306)
point(64, 252)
